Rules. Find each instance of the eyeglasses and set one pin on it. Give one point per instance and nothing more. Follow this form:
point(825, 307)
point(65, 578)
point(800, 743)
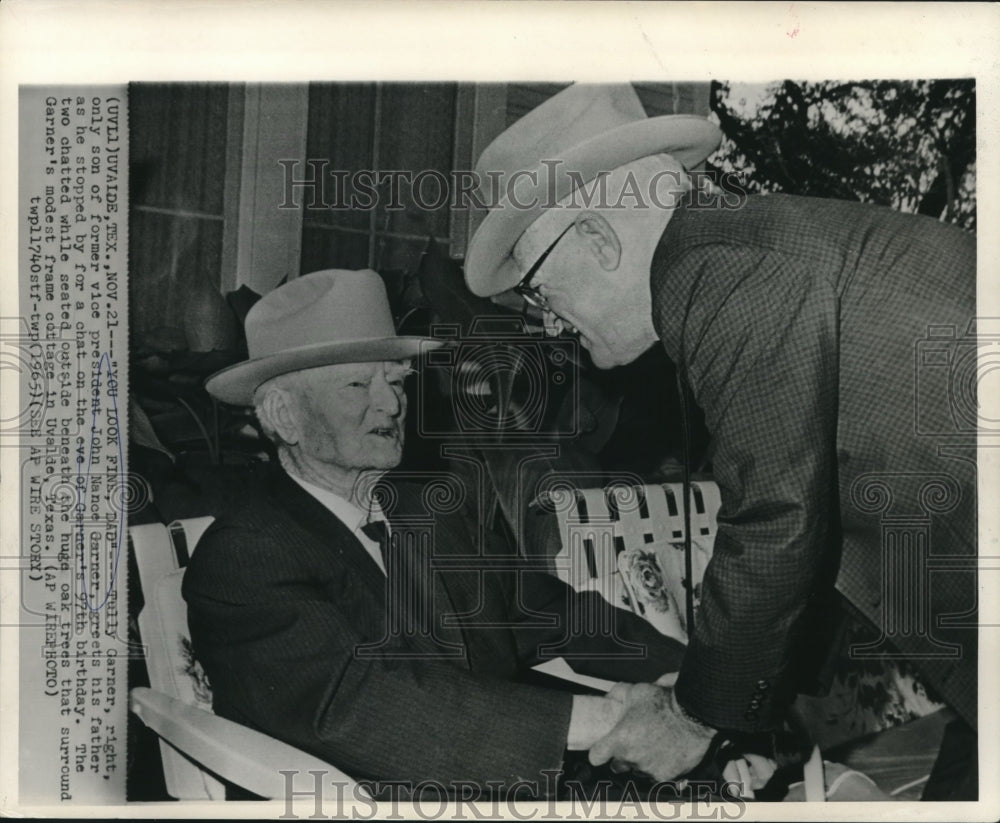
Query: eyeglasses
point(530, 293)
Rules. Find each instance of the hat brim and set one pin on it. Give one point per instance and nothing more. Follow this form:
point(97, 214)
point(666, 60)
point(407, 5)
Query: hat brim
point(489, 268)
point(237, 383)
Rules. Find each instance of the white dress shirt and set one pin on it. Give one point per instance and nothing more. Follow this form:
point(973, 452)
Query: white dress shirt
point(350, 515)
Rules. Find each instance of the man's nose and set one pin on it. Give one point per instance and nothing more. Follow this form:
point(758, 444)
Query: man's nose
point(384, 397)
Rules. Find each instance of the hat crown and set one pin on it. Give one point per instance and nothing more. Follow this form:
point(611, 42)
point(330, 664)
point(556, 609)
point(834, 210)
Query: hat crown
point(571, 117)
point(562, 145)
point(330, 306)
point(319, 319)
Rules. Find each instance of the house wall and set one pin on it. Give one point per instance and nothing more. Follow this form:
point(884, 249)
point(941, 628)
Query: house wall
point(207, 183)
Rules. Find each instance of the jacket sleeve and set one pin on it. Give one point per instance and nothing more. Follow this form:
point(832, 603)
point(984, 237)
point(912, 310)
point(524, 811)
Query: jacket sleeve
point(594, 636)
point(284, 657)
point(760, 352)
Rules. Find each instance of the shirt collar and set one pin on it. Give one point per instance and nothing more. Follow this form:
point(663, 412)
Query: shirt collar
point(350, 515)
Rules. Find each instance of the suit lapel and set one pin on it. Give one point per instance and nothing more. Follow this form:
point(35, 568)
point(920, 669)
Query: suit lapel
point(328, 529)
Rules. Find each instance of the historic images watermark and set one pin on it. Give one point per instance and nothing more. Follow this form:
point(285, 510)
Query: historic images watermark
point(313, 184)
point(505, 385)
point(952, 369)
point(495, 799)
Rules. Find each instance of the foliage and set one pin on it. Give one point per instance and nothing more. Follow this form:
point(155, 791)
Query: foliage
point(906, 144)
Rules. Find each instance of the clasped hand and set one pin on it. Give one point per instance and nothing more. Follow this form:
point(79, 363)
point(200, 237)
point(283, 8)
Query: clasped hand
point(653, 735)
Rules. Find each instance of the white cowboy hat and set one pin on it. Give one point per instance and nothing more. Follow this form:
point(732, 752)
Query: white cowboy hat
point(564, 143)
point(331, 316)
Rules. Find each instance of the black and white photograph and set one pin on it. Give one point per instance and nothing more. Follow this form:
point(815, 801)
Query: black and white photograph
point(554, 443)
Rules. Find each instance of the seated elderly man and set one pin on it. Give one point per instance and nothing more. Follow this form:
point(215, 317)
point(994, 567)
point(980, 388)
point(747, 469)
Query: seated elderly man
point(309, 630)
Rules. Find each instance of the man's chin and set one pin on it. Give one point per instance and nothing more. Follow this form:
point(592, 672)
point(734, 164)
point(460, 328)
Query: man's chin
point(604, 358)
point(387, 454)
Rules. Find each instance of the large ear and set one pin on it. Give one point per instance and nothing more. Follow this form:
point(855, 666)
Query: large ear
point(602, 240)
point(280, 412)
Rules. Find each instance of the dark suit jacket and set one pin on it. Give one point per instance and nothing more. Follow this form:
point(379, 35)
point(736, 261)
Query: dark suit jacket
point(288, 616)
point(821, 338)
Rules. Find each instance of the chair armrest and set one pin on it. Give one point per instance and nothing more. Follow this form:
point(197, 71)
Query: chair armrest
point(236, 753)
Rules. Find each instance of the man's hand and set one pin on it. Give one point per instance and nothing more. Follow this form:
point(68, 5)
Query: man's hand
point(591, 719)
point(654, 735)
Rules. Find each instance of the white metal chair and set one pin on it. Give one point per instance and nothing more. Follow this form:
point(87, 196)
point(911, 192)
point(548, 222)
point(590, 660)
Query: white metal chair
point(197, 747)
point(602, 527)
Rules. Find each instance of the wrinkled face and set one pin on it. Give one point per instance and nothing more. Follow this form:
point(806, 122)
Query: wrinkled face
point(609, 310)
point(352, 414)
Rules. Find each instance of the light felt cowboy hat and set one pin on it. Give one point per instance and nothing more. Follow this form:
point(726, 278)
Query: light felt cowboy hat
point(332, 316)
point(583, 130)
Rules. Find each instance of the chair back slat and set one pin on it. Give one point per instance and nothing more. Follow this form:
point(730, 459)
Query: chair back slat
point(706, 523)
point(154, 554)
point(588, 536)
point(665, 512)
point(596, 525)
point(185, 534)
point(169, 660)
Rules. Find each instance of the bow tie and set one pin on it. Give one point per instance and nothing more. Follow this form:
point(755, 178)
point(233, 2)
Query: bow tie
point(376, 531)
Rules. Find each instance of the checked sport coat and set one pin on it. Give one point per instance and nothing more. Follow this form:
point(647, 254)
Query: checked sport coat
point(289, 616)
point(829, 345)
